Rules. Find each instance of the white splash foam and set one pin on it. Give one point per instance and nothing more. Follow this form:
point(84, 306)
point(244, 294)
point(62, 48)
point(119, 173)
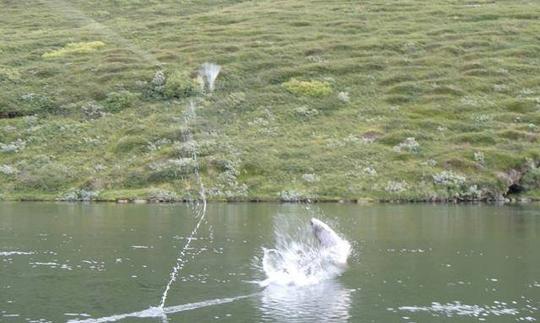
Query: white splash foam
point(140, 247)
point(14, 253)
point(163, 311)
point(458, 309)
point(299, 259)
point(209, 72)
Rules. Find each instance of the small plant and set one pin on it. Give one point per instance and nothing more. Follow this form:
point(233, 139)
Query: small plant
point(75, 48)
point(396, 187)
point(180, 85)
point(43, 175)
point(429, 162)
point(156, 87)
point(159, 79)
point(38, 103)
point(13, 147)
point(479, 157)
point(449, 179)
point(92, 110)
point(172, 169)
point(130, 144)
point(410, 144)
point(9, 74)
point(292, 196)
point(161, 195)
point(308, 88)
point(8, 170)
point(310, 178)
point(118, 101)
point(482, 118)
point(369, 171)
point(531, 179)
point(305, 112)
point(79, 195)
point(344, 97)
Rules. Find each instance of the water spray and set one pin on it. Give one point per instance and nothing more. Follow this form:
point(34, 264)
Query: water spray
point(200, 209)
point(208, 72)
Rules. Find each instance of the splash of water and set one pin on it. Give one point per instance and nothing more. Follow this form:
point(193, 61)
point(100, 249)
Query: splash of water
point(159, 312)
point(14, 253)
point(300, 258)
point(199, 210)
point(209, 72)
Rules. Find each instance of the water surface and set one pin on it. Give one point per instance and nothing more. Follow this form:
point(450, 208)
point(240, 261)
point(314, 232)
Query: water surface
point(410, 263)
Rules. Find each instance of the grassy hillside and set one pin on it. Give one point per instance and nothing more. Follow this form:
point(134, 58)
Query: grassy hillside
point(376, 99)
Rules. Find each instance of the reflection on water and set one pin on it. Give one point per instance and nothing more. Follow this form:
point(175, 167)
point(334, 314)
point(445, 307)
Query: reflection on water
point(328, 301)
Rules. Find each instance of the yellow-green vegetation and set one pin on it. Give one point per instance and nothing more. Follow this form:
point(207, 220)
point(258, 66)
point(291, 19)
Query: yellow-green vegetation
point(75, 48)
point(308, 88)
point(369, 100)
point(9, 74)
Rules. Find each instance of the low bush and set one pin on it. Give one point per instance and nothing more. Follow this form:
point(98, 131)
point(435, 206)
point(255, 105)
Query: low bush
point(118, 101)
point(308, 88)
point(75, 48)
point(128, 144)
point(180, 85)
point(531, 179)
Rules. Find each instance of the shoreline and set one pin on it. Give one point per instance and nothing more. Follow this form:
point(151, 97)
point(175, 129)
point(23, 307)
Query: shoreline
point(361, 201)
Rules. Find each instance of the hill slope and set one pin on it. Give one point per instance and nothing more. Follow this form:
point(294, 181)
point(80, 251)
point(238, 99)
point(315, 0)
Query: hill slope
point(316, 99)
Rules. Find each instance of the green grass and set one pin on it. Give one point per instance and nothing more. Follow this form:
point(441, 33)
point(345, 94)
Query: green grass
point(324, 88)
point(75, 48)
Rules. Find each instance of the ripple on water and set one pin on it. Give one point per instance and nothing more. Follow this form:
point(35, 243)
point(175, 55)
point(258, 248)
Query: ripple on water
point(482, 312)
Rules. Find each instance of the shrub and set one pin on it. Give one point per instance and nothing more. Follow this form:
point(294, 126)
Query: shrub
point(92, 110)
point(118, 101)
point(448, 179)
point(396, 187)
point(410, 144)
point(161, 195)
point(305, 112)
point(75, 48)
point(9, 74)
point(38, 103)
point(13, 147)
point(310, 178)
point(344, 97)
point(308, 88)
point(50, 176)
point(79, 195)
point(171, 169)
point(531, 179)
point(479, 157)
point(180, 85)
point(156, 87)
point(130, 143)
point(8, 170)
point(292, 196)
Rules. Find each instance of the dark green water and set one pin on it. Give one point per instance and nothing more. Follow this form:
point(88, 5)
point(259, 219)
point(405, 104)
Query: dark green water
point(411, 263)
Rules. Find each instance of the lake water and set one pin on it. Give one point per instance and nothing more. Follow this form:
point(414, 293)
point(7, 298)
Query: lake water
point(410, 263)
